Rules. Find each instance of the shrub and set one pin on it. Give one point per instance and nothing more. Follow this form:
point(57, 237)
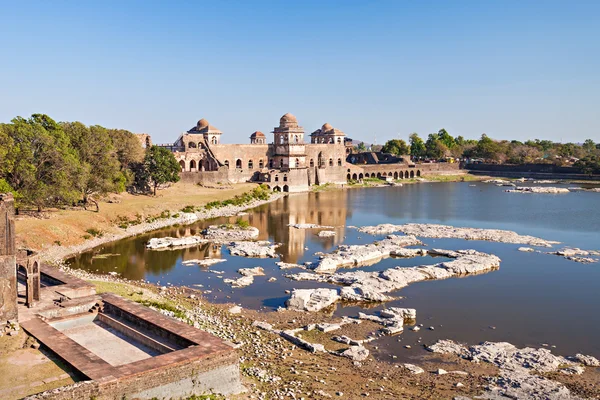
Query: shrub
point(242, 223)
point(188, 209)
point(94, 232)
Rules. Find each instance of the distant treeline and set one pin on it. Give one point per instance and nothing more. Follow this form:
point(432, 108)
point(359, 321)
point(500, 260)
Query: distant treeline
point(441, 145)
point(46, 163)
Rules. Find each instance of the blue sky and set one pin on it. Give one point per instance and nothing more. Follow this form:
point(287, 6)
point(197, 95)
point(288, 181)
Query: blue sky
point(375, 69)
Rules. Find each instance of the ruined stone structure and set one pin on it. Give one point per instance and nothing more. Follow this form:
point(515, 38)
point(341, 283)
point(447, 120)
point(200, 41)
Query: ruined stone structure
point(288, 163)
point(8, 261)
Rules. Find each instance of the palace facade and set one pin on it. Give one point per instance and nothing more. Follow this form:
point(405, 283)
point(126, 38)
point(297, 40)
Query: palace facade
point(287, 164)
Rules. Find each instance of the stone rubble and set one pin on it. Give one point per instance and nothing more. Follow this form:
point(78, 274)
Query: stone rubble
point(373, 286)
point(240, 282)
point(169, 242)
point(259, 249)
point(360, 255)
point(451, 232)
point(518, 368)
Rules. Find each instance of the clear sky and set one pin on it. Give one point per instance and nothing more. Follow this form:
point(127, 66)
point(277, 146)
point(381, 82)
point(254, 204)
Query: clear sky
point(375, 69)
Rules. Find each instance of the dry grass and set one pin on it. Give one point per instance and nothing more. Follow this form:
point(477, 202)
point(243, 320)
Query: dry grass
point(68, 227)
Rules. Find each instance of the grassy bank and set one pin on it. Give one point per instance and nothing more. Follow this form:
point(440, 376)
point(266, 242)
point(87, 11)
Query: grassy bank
point(75, 226)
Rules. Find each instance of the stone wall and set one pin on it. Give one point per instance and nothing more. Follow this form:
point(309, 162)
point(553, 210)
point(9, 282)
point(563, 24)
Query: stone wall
point(8, 266)
point(543, 171)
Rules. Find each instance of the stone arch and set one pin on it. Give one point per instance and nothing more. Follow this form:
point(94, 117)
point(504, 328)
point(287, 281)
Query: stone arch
point(238, 163)
point(406, 174)
point(286, 188)
point(331, 162)
point(182, 165)
point(312, 163)
point(191, 145)
point(276, 178)
point(320, 160)
point(277, 189)
point(418, 172)
point(348, 177)
point(354, 176)
point(226, 162)
point(192, 165)
point(396, 175)
point(360, 176)
point(339, 162)
point(379, 175)
point(261, 164)
point(250, 164)
point(412, 174)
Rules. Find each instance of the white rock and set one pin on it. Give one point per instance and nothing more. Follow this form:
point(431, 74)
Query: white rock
point(256, 271)
point(261, 249)
point(526, 249)
point(413, 369)
point(326, 234)
point(203, 263)
point(356, 353)
point(235, 310)
point(312, 299)
point(240, 282)
point(440, 371)
point(588, 361)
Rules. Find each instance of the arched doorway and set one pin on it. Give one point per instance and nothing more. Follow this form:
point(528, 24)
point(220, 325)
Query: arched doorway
point(192, 165)
point(360, 176)
point(355, 177)
point(412, 174)
point(182, 165)
point(418, 172)
point(277, 189)
point(396, 175)
point(348, 177)
point(286, 188)
point(238, 163)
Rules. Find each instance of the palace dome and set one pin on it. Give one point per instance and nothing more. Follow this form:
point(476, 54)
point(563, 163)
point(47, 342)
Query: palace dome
point(326, 127)
point(202, 124)
point(257, 134)
point(287, 118)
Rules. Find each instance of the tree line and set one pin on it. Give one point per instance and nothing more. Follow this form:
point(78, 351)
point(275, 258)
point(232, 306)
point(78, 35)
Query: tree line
point(45, 163)
point(441, 145)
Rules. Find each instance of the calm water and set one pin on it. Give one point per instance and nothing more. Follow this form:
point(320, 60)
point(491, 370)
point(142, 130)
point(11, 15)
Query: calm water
point(531, 300)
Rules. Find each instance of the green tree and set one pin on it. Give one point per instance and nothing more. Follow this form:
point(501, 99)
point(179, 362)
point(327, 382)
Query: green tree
point(161, 166)
point(435, 148)
point(417, 146)
point(589, 165)
point(396, 146)
point(589, 145)
point(444, 137)
point(361, 147)
point(99, 170)
point(42, 163)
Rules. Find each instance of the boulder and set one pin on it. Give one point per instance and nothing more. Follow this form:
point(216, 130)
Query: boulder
point(312, 299)
point(356, 353)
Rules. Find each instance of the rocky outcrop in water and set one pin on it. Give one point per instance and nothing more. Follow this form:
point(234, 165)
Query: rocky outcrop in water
point(518, 369)
point(367, 254)
point(256, 271)
point(312, 299)
point(451, 232)
point(260, 249)
point(240, 282)
point(169, 242)
point(207, 262)
point(538, 189)
point(373, 286)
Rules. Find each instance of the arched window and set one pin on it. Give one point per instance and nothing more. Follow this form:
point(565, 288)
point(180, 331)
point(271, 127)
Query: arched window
point(191, 145)
point(285, 178)
point(281, 139)
point(297, 163)
point(281, 163)
point(339, 162)
point(261, 164)
point(295, 138)
point(339, 140)
point(192, 164)
point(276, 178)
point(312, 163)
point(238, 164)
point(331, 162)
point(271, 163)
point(250, 164)
point(226, 163)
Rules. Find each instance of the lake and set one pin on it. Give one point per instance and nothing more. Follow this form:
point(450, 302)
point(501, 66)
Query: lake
point(533, 299)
